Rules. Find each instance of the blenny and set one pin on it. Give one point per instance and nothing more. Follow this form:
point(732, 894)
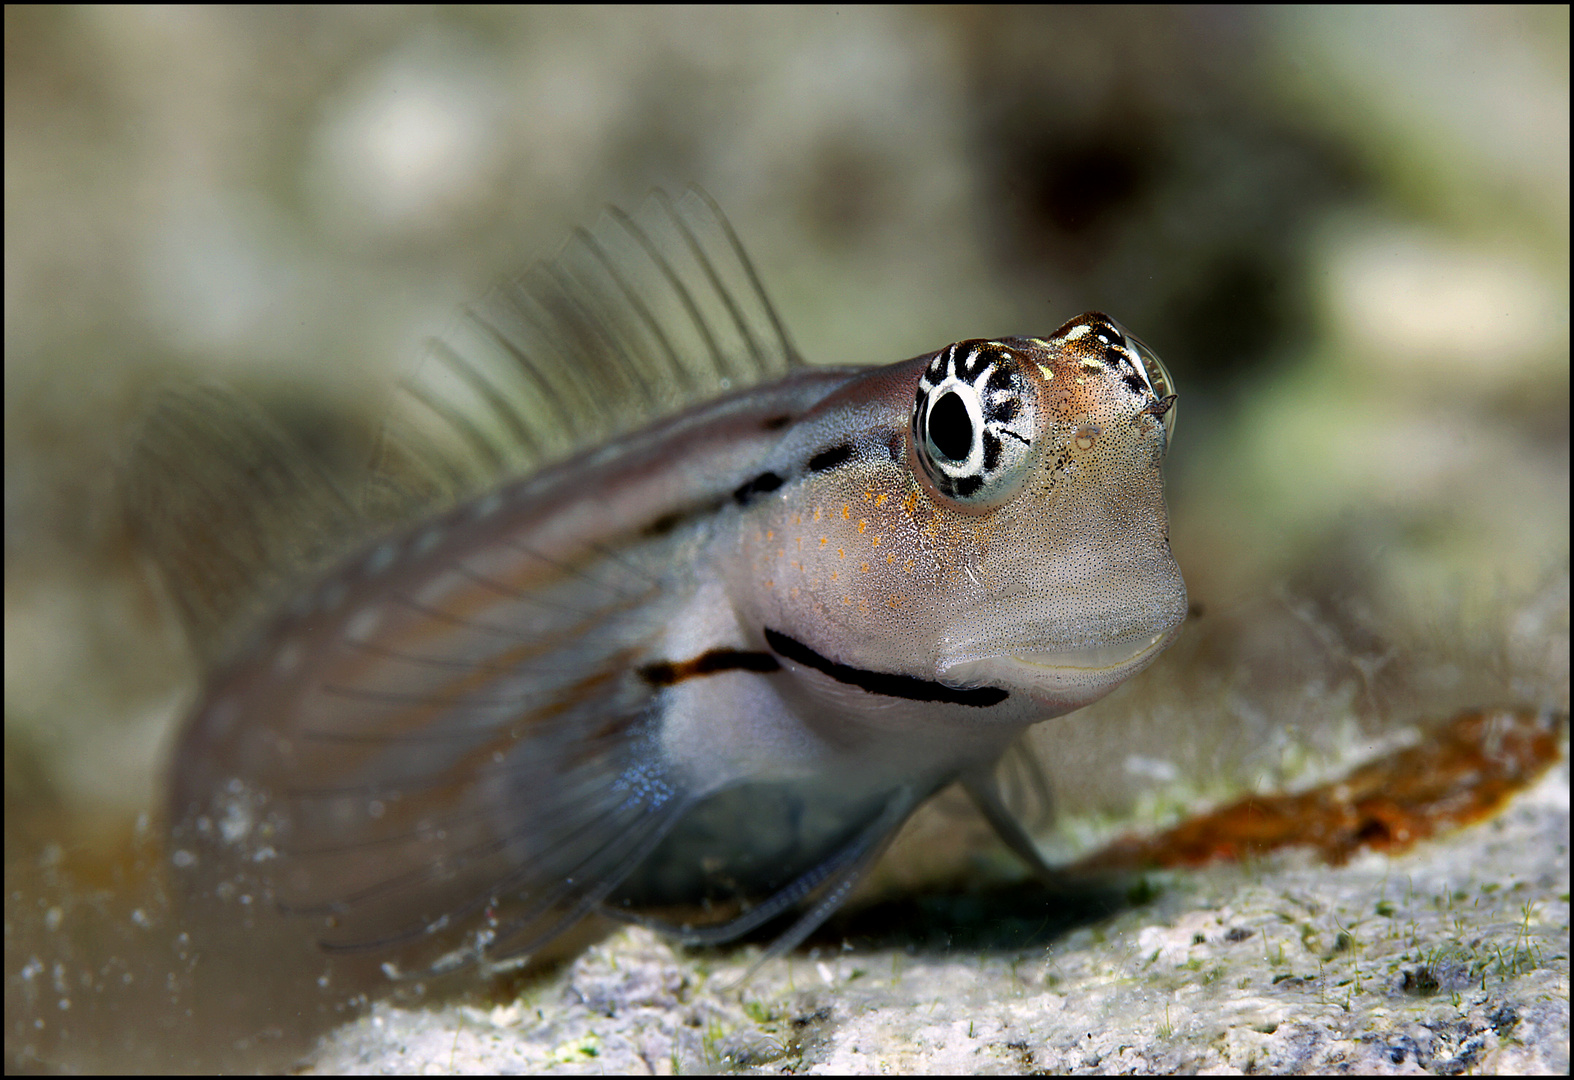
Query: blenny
point(646, 615)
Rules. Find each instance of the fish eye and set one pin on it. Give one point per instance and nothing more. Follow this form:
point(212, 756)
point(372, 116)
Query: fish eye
point(974, 420)
point(1143, 371)
point(1159, 381)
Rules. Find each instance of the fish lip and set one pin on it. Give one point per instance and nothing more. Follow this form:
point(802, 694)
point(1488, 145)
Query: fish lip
point(1100, 658)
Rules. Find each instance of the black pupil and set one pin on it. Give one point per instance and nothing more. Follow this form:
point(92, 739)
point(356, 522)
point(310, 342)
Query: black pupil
point(950, 429)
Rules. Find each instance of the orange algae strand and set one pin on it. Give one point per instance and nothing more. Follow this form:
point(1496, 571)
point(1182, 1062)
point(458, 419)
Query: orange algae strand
point(1463, 772)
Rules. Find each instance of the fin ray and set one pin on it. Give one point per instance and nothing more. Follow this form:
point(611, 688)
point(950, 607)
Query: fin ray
point(855, 861)
point(832, 879)
point(639, 318)
point(475, 862)
point(231, 508)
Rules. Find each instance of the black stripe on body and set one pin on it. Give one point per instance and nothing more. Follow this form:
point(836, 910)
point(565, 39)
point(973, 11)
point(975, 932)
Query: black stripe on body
point(883, 683)
point(667, 672)
point(760, 485)
point(828, 459)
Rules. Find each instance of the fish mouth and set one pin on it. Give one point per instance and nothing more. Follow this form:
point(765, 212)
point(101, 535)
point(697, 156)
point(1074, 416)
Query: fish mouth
point(1100, 658)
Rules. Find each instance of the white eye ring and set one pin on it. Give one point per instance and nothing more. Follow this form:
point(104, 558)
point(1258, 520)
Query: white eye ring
point(974, 418)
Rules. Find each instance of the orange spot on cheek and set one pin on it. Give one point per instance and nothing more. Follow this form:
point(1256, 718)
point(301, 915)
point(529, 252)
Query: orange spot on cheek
point(824, 540)
point(864, 568)
point(862, 524)
point(847, 512)
point(875, 542)
point(841, 554)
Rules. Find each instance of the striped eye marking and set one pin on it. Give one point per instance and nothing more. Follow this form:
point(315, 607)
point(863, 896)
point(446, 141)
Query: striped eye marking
point(974, 419)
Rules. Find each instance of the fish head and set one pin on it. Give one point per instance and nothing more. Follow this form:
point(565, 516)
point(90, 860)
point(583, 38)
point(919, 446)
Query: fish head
point(1042, 458)
point(1003, 523)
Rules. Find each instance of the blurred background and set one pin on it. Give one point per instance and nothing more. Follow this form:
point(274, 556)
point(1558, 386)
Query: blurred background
point(1345, 230)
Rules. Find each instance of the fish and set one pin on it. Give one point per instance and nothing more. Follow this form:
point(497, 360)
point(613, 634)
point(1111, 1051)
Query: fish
point(638, 613)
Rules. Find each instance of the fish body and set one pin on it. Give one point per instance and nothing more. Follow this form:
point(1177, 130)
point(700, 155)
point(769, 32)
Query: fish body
point(711, 662)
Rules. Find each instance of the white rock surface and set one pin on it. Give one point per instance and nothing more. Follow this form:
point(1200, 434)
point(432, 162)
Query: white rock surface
point(1451, 958)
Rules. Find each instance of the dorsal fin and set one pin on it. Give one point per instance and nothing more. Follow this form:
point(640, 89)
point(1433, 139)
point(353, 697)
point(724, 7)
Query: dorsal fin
point(232, 508)
point(636, 319)
point(639, 318)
